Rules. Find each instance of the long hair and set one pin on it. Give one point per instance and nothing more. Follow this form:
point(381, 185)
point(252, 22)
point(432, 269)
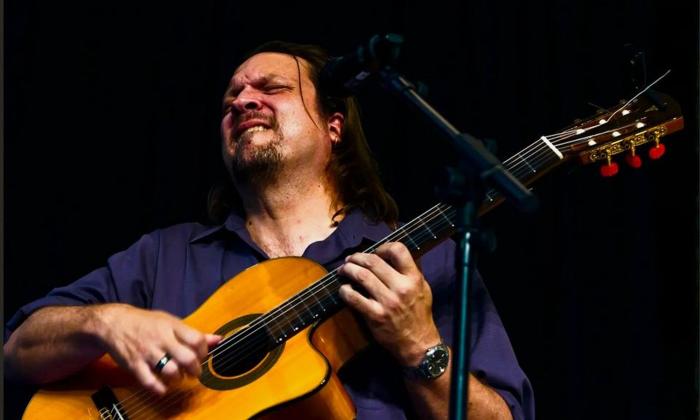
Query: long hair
point(352, 167)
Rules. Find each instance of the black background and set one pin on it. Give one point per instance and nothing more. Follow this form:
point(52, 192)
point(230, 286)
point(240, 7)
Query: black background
point(112, 112)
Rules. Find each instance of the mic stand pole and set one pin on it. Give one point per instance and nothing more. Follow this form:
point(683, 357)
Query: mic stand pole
point(477, 167)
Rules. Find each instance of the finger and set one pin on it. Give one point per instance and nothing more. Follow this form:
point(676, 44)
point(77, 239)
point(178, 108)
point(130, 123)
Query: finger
point(371, 309)
point(186, 358)
point(171, 372)
point(398, 256)
point(213, 339)
point(367, 280)
point(193, 339)
point(148, 379)
point(380, 268)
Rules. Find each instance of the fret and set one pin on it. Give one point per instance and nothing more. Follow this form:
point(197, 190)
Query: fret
point(449, 222)
point(425, 225)
point(318, 303)
point(527, 163)
point(491, 195)
point(273, 326)
point(413, 243)
point(308, 309)
point(297, 315)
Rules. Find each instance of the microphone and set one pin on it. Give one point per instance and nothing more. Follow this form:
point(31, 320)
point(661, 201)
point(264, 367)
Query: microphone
point(341, 76)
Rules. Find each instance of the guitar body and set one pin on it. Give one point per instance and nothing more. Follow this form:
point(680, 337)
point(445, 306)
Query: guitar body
point(298, 379)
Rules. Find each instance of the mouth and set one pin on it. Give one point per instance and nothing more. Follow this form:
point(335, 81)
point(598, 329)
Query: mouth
point(250, 127)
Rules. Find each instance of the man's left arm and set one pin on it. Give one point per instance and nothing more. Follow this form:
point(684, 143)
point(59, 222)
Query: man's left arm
point(397, 307)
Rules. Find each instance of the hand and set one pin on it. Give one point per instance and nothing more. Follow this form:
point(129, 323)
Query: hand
point(137, 339)
point(398, 304)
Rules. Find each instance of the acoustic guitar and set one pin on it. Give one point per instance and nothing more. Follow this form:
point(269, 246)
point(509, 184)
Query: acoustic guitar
point(286, 332)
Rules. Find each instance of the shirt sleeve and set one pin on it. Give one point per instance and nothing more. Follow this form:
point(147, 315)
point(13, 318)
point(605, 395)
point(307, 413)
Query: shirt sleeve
point(127, 277)
point(492, 359)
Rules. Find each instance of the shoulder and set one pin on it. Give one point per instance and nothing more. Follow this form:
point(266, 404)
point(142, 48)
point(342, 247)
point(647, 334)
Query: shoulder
point(185, 231)
point(181, 232)
point(177, 236)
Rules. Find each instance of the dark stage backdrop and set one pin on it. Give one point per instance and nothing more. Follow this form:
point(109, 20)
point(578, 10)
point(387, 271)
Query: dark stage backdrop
point(112, 113)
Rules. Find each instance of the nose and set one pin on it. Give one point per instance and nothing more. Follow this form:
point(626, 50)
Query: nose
point(247, 100)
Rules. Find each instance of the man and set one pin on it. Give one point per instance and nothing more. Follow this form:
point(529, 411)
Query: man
point(305, 185)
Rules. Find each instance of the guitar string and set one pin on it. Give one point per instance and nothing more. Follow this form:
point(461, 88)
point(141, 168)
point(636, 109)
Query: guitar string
point(576, 131)
point(326, 281)
point(563, 142)
point(551, 136)
point(581, 130)
point(568, 145)
point(332, 278)
point(658, 79)
point(538, 144)
point(515, 168)
point(555, 139)
point(405, 231)
point(254, 347)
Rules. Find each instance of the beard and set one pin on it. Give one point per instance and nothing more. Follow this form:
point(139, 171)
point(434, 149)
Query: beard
point(259, 165)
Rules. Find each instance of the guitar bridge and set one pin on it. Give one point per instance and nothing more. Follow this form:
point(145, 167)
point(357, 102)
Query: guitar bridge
point(108, 405)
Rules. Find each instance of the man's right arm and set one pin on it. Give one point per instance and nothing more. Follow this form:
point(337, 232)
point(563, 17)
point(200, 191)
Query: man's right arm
point(57, 341)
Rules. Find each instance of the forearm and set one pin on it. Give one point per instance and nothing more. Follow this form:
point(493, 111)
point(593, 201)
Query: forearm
point(53, 343)
point(431, 399)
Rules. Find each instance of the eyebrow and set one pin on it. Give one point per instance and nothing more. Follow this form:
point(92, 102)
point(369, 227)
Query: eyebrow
point(234, 88)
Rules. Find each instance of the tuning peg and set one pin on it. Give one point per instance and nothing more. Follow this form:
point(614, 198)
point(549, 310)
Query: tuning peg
point(610, 169)
point(633, 159)
point(659, 149)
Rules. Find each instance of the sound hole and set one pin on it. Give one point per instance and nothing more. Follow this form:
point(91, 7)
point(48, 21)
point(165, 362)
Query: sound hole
point(247, 350)
point(242, 357)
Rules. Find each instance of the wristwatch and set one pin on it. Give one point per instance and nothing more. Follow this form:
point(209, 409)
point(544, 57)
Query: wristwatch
point(433, 365)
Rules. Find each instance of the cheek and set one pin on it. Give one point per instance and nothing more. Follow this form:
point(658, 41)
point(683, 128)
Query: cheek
point(227, 146)
point(226, 125)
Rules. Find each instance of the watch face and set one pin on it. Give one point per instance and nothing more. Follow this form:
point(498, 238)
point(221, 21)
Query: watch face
point(437, 359)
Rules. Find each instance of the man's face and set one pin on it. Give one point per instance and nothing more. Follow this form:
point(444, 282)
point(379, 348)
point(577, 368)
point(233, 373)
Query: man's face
point(266, 125)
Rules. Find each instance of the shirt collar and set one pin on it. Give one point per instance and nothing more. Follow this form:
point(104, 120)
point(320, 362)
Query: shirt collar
point(351, 231)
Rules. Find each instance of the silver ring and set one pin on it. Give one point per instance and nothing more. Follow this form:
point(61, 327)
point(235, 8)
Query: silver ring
point(162, 362)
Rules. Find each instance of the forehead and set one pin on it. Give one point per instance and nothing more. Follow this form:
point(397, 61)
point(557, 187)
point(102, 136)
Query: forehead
point(269, 65)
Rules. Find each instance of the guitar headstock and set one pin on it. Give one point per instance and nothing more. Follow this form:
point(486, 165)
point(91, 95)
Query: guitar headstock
point(626, 128)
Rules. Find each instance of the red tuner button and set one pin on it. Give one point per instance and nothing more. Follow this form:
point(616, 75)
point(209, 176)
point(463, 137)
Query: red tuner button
point(657, 151)
point(609, 170)
point(634, 161)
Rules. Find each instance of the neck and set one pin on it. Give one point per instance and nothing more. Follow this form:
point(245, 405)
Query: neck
point(286, 216)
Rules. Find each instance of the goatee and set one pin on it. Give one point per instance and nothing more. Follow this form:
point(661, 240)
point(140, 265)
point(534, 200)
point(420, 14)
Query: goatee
point(259, 166)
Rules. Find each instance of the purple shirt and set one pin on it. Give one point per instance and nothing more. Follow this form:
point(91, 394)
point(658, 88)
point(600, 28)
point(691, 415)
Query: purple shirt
point(177, 268)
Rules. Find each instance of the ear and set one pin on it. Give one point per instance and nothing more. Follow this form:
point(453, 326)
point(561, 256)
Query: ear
point(336, 124)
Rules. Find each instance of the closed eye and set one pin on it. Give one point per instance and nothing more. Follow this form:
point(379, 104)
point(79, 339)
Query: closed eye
point(276, 88)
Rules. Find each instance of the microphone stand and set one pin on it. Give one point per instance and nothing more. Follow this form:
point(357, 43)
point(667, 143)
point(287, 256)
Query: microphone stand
point(465, 189)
